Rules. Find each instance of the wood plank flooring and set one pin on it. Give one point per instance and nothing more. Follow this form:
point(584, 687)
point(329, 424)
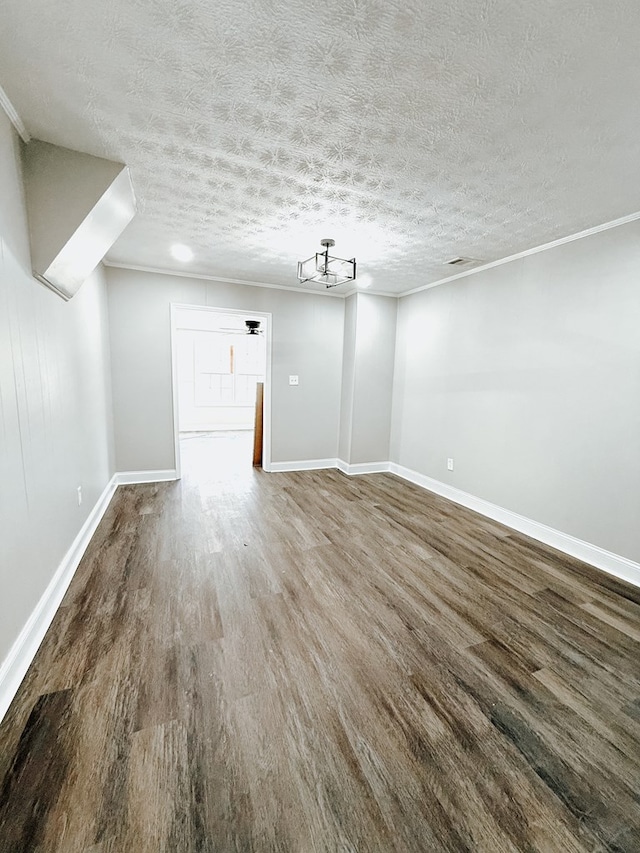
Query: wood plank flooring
point(307, 662)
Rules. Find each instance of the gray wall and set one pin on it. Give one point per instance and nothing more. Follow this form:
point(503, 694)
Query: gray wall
point(307, 340)
point(528, 375)
point(367, 378)
point(373, 384)
point(55, 409)
point(348, 378)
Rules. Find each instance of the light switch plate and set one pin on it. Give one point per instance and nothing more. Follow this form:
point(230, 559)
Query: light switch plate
point(293, 380)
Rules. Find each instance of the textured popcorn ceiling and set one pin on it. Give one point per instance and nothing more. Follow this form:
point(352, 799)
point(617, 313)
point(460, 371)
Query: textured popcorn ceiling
point(408, 131)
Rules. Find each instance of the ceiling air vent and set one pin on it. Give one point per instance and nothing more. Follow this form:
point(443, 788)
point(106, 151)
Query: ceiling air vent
point(462, 262)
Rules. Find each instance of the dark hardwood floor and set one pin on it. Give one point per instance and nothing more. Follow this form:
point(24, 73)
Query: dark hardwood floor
point(307, 662)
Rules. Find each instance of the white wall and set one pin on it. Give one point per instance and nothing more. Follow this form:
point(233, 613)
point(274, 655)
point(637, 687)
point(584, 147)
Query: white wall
point(528, 375)
point(194, 340)
point(307, 337)
point(55, 409)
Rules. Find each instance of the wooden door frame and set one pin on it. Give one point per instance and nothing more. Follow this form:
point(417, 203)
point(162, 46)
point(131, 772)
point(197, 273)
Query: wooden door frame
point(246, 312)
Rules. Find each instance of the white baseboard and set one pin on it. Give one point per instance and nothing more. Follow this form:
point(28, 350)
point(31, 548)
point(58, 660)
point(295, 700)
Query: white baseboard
point(15, 665)
point(302, 465)
point(207, 430)
point(126, 478)
point(317, 464)
point(607, 561)
point(362, 467)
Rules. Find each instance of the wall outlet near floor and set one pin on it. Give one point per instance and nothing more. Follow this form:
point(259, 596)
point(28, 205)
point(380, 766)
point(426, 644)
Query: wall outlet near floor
point(449, 464)
point(79, 495)
point(293, 380)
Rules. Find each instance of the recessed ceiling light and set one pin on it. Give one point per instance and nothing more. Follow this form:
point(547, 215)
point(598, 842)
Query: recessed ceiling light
point(181, 253)
point(364, 280)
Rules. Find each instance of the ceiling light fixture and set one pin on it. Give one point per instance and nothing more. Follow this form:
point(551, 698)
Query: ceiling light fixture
point(325, 269)
point(181, 253)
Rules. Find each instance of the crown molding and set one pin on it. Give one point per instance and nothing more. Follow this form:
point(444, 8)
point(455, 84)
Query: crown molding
point(624, 220)
point(205, 277)
point(248, 283)
point(370, 292)
point(13, 116)
point(588, 232)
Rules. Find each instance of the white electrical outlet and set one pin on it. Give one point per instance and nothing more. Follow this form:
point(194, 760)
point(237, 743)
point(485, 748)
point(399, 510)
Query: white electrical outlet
point(450, 464)
point(79, 495)
point(293, 380)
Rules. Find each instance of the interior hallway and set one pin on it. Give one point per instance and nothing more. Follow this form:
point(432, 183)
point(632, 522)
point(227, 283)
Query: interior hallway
point(216, 456)
point(308, 662)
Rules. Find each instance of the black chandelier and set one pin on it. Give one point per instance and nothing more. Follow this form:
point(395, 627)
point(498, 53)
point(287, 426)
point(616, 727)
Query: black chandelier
point(325, 269)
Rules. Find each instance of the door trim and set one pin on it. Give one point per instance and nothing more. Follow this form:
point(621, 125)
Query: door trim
point(266, 430)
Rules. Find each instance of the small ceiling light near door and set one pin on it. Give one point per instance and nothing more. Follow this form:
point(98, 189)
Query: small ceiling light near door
point(325, 269)
point(181, 253)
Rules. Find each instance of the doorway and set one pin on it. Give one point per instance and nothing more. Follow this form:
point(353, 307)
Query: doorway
point(221, 365)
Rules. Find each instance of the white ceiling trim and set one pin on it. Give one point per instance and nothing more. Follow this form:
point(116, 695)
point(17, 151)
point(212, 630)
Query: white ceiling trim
point(205, 277)
point(623, 220)
point(588, 232)
point(13, 116)
point(367, 291)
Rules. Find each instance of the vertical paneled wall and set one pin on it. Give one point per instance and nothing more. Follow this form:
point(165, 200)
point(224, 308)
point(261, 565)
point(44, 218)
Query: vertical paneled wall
point(55, 409)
